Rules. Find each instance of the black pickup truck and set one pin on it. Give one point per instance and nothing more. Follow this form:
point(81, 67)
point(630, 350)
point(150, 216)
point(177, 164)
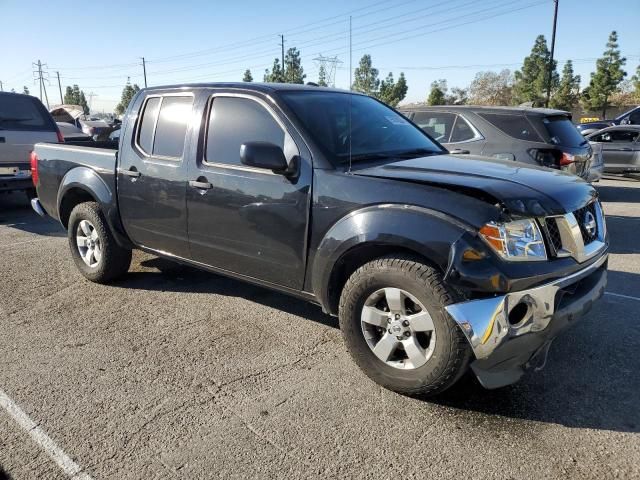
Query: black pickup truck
point(432, 263)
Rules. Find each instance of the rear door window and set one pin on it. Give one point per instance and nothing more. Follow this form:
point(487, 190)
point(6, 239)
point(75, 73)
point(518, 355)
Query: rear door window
point(516, 126)
point(563, 132)
point(437, 124)
point(618, 136)
point(163, 126)
point(171, 128)
point(22, 112)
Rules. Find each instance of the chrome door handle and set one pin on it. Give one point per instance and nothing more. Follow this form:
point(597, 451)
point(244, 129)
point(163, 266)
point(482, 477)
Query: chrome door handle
point(200, 185)
point(130, 173)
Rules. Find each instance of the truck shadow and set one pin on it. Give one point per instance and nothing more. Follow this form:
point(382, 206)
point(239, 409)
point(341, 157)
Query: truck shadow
point(181, 278)
point(590, 380)
point(16, 212)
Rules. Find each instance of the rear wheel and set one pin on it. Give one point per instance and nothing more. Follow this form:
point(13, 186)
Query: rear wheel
point(95, 252)
point(394, 324)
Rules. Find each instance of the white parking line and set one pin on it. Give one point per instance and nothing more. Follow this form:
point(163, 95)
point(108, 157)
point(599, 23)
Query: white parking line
point(72, 469)
point(629, 297)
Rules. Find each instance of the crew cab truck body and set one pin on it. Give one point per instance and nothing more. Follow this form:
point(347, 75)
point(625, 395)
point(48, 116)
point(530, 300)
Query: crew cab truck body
point(432, 263)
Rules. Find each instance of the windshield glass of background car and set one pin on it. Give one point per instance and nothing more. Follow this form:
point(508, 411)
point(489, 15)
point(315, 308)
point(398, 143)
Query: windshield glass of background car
point(563, 132)
point(375, 128)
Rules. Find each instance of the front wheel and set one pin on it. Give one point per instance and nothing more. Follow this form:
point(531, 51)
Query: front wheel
point(95, 252)
point(394, 324)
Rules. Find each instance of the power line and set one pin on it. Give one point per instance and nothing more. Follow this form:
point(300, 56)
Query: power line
point(42, 77)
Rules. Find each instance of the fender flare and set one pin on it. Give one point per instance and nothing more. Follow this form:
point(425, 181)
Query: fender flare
point(86, 179)
point(429, 233)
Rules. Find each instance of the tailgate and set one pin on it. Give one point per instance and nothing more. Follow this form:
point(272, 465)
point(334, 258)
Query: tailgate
point(15, 146)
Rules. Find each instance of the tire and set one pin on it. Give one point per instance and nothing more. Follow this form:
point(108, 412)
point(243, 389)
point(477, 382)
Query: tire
point(444, 349)
point(109, 261)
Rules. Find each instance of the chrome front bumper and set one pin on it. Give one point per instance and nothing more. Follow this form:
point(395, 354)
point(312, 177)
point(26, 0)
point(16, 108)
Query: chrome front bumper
point(508, 331)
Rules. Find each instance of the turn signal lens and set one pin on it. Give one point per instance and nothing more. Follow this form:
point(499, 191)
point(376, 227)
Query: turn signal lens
point(494, 237)
point(567, 159)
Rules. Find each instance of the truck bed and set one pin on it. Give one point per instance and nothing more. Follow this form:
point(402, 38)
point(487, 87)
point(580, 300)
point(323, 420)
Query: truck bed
point(63, 165)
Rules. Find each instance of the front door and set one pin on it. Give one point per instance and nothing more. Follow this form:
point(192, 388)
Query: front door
point(247, 220)
point(152, 173)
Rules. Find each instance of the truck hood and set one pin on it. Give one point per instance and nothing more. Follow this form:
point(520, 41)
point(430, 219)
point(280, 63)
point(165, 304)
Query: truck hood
point(522, 189)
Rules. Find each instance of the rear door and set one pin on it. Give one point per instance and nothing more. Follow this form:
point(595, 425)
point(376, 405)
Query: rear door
point(23, 122)
point(247, 220)
point(152, 173)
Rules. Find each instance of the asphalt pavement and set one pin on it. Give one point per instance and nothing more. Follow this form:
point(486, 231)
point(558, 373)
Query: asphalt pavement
point(177, 373)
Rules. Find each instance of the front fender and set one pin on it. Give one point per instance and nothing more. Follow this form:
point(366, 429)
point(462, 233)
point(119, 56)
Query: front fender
point(427, 232)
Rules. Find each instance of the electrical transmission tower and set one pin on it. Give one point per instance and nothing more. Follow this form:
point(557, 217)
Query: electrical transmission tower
point(41, 75)
point(330, 65)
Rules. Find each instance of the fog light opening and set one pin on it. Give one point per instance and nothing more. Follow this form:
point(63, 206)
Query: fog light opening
point(519, 313)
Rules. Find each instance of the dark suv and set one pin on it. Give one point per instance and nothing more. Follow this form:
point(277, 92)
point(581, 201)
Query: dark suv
point(537, 136)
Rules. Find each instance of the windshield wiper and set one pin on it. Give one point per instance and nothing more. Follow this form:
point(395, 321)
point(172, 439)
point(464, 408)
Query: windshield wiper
point(414, 153)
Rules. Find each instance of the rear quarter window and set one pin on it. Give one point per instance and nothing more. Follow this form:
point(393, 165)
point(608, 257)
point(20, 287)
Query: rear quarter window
point(516, 126)
point(22, 112)
point(562, 132)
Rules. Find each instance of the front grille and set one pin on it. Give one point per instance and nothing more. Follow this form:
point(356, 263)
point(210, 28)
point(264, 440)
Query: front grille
point(554, 234)
point(583, 217)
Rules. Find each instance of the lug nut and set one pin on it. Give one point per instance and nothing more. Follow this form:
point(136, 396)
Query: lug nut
point(397, 316)
point(388, 320)
point(405, 323)
point(400, 337)
point(407, 334)
point(389, 330)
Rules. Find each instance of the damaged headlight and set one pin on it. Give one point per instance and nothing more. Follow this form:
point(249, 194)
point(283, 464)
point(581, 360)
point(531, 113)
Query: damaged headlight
point(516, 241)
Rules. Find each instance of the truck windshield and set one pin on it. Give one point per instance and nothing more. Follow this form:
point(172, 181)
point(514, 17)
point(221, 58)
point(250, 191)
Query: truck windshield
point(377, 131)
point(563, 132)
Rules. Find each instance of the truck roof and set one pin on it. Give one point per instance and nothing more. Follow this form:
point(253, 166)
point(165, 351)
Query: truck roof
point(255, 86)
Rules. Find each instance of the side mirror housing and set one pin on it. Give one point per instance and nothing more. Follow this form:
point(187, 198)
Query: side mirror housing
point(264, 155)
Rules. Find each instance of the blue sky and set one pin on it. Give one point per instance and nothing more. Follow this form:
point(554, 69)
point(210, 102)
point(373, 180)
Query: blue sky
point(98, 44)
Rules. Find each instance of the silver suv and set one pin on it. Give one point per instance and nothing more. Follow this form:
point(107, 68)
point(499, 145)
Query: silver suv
point(24, 121)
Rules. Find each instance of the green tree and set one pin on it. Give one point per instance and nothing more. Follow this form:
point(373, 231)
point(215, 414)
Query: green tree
point(293, 71)
point(458, 96)
point(567, 95)
point(491, 88)
point(365, 77)
point(391, 92)
point(607, 77)
point(438, 92)
point(75, 96)
point(25, 90)
point(247, 76)
point(128, 92)
point(322, 76)
point(275, 75)
point(635, 82)
point(531, 82)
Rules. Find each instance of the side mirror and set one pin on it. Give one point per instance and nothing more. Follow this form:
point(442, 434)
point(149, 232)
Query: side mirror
point(264, 155)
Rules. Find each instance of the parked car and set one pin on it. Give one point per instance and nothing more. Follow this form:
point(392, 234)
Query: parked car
point(95, 127)
point(620, 148)
point(632, 117)
point(596, 168)
point(536, 136)
point(71, 133)
point(24, 121)
point(432, 262)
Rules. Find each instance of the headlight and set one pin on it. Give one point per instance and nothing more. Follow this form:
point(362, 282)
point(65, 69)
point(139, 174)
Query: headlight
point(515, 241)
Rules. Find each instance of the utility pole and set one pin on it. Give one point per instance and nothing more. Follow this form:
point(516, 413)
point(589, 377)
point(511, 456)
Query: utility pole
point(282, 45)
point(330, 65)
point(60, 88)
point(553, 47)
point(41, 78)
point(91, 95)
point(144, 70)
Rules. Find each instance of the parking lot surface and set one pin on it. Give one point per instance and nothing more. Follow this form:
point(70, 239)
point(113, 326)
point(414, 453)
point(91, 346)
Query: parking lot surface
point(177, 373)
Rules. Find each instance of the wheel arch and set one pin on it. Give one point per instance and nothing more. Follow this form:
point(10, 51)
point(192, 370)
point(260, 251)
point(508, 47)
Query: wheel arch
point(79, 185)
point(376, 231)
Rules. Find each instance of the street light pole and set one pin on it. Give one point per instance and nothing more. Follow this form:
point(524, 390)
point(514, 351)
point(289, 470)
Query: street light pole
point(553, 48)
